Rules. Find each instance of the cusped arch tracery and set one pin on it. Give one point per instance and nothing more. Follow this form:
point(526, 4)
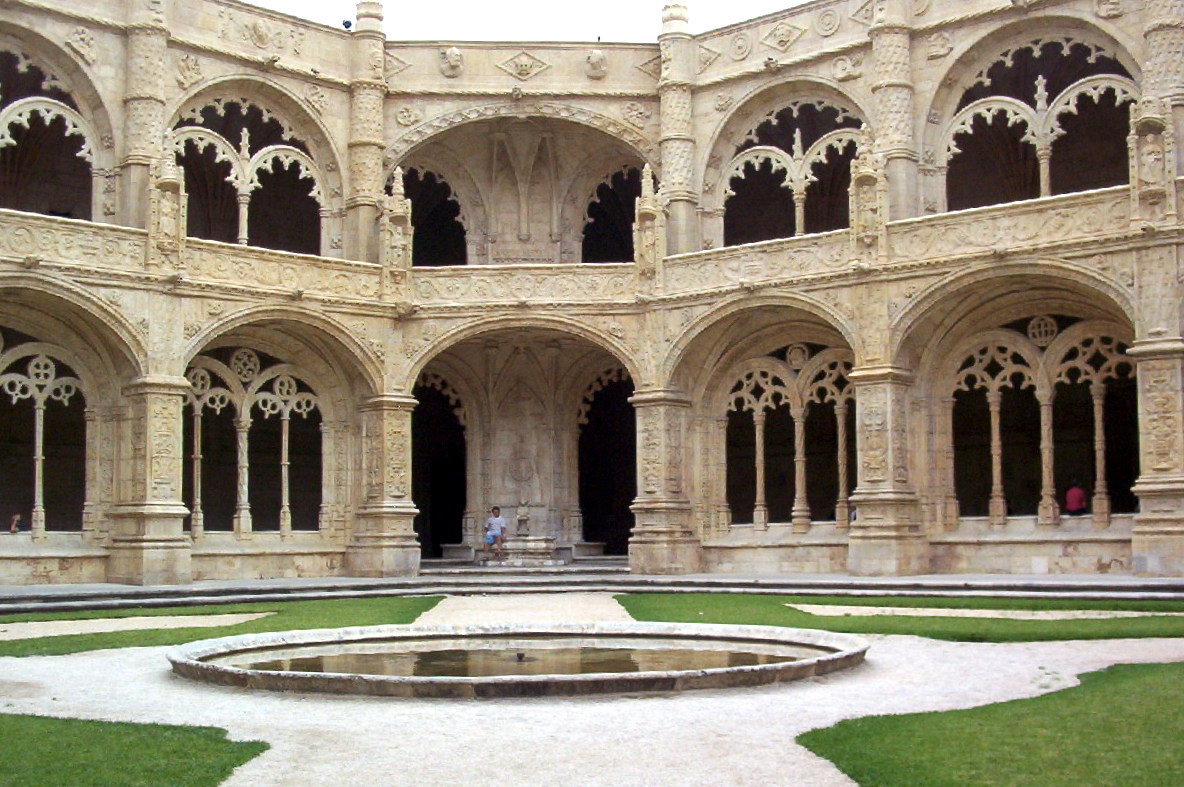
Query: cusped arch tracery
point(1009, 119)
point(257, 169)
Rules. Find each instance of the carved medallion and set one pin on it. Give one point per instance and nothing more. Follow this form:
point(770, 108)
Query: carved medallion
point(827, 23)
point(741, 46)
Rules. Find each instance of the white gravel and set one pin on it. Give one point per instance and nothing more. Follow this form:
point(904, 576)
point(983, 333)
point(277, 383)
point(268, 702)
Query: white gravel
point(728, 737)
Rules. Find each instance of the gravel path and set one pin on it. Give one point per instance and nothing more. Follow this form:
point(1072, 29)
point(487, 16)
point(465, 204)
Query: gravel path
point(731, 737)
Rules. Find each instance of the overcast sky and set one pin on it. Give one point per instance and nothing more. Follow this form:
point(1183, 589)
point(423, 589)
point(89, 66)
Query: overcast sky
point(530, 20)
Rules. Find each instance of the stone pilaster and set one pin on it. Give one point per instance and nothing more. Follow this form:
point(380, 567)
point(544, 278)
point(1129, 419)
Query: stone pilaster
point(383, 542)
point(143, 107)
point(367, 89)
point(148, 542)
point(1157, 541)
point(662, 541)
point(677, 142)
point(886, 536)
point(893, 92)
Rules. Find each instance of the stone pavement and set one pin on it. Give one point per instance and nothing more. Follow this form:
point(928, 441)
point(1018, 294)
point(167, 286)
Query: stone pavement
point(725, 737)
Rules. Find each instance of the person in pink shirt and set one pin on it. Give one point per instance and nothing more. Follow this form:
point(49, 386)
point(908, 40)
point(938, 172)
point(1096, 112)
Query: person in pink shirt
point(1075, 502)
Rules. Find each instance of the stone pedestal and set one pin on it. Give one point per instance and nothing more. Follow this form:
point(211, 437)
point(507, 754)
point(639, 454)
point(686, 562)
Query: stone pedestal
point(526, 551)
point(1157, 540)
point(148, 547)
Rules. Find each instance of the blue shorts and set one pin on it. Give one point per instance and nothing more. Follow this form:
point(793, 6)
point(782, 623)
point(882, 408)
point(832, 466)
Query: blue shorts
point(489, 538)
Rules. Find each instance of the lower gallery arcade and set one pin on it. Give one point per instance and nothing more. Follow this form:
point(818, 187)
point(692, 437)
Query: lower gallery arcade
point(867, 287)
point(767, 449)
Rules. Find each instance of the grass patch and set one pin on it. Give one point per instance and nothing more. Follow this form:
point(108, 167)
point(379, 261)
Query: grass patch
point(1122, 725)
point(39, 751)
point(770, 610)
point(331, 613)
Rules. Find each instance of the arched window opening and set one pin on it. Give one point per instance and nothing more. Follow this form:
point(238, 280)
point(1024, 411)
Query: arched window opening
point(828, 206)
point(608, 461)
point(995, 165)
point(45, 158)
point(249, 179)
point(791, 439)
point(42, 437)
point(269, 219)
point(791, 173)
point(438, 477)
point(213, 202)
point(255, 445)
point(608, 233)
point(1018, 445)
point(438, 236)
point(760, 206)
point(1092, 153)
point(1046, 117)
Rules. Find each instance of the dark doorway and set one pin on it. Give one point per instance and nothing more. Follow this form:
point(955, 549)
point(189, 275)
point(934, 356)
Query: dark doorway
point(608, 467)
point(438, 471)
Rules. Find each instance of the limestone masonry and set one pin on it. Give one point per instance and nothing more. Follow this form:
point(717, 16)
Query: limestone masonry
point(863, 286)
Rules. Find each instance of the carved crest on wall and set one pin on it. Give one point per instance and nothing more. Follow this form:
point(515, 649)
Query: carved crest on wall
point(261, 33)
point(782, 36)
point(82, 42)
point(523, 66)
point(827, 23)
point(707, 56)
point(653, 66)
point(188, 71)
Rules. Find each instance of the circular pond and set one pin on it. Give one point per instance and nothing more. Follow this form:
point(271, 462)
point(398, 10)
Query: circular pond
point(511, 660)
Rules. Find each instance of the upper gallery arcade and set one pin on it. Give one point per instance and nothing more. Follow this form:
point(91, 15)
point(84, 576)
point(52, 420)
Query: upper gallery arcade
point(861, 286)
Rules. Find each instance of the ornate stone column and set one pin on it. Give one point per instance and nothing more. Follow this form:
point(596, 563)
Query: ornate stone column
point(1047, 513)
point(1101, 501)
point(760, 510)
point(662, 542)
point(148, 543)
point(384, 542)
point(886, 537)
point(1157, 541)
point(800, 515)
point(893, 92)
point(367, 90)
point(842, 504)
point(677, 143)
point(143, 107)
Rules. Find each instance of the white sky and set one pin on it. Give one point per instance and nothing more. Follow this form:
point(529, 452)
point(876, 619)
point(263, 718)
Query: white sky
point(530, 20)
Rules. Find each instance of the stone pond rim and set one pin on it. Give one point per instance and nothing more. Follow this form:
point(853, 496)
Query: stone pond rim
point(196, 660)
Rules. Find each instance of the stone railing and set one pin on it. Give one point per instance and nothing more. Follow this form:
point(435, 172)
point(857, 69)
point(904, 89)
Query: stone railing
point(33, 239)
point(539, 284)
point(756, 262)
point(1015, 226)
point(280, 271)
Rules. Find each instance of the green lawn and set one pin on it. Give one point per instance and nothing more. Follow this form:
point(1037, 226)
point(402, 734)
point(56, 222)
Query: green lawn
point(38, 751)
point(772, 611)
point(1122, 726)
point(334, 613)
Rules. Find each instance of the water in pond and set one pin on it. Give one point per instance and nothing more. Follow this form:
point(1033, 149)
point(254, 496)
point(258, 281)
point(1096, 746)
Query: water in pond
point(517, 656)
